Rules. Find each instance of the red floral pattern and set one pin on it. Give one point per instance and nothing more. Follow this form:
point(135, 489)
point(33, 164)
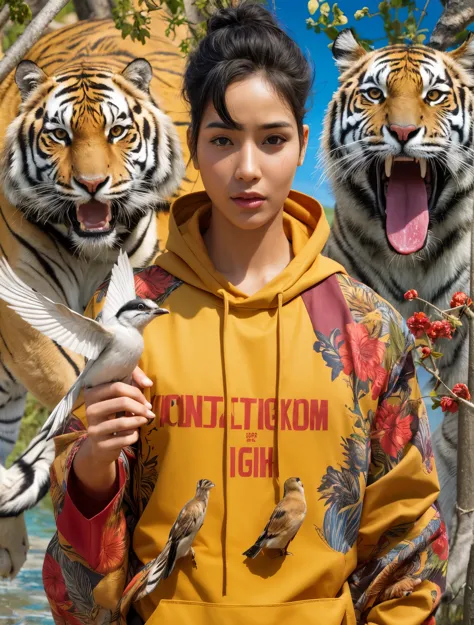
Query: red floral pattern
point(392, 428)
point(53, 580)
point(441, 545)
point(112, 548)
point(361, 353)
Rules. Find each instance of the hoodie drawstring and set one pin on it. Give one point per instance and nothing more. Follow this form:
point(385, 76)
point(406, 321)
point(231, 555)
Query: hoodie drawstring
point(276, 446)
point(227, 413)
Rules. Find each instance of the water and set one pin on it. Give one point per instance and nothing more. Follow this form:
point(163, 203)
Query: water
point(23, 602)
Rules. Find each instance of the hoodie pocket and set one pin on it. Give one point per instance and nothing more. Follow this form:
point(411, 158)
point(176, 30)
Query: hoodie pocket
point(310, 612)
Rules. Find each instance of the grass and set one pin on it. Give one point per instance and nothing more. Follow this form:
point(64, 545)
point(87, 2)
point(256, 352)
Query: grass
point(35, 416)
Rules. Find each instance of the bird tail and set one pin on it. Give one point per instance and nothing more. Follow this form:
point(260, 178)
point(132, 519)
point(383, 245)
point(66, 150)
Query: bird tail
point(56, 421)
point(150, 576)
point(27, 481)
point(255, 549)
point(171, 559)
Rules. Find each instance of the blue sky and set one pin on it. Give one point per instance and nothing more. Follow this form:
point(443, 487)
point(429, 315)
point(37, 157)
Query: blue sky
point(292, 15)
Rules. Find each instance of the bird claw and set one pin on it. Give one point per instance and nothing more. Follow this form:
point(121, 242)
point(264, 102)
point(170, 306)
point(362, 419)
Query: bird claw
point(193, 559)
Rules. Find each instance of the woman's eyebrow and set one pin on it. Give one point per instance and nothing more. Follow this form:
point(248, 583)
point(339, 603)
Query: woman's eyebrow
point(223, 125)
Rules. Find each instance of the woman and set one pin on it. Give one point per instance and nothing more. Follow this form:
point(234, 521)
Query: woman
point(273, 364)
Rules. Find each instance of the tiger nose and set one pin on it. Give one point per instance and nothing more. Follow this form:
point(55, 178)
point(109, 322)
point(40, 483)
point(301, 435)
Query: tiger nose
point(403, 132)
point(91, 184)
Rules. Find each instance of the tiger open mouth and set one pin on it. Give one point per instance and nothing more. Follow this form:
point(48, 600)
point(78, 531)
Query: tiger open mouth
point(407, 191)
point(93, 219)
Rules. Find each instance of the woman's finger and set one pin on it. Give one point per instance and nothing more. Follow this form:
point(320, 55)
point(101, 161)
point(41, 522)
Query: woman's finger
point(139, 378)
point(103, 392)
point(121, 425)
point(120, 441)
point(108, 409)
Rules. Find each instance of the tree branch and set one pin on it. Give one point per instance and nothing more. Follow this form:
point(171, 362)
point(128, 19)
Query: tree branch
point(457, 15)
point(4, 16)
point(32, 33)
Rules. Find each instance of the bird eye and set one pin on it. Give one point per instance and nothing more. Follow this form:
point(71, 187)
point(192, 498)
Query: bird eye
point(60, 133)
point(116, 131)
point(375, 93)
point(141, 307)
point(433, 95)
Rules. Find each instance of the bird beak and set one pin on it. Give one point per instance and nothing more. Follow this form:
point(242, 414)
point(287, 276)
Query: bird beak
point(161, 311)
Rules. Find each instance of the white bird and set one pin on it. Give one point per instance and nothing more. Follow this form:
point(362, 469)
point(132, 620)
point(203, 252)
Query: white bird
point(112, 346)
point(179, 543)
point(284, 522)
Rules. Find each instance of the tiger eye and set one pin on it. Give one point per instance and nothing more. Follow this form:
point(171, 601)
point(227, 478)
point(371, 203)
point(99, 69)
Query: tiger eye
point(433, 94)
point(60, 133)
point(375, 93)
point(116, 131)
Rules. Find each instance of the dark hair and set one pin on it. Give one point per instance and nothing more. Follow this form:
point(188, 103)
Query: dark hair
point(241, 41)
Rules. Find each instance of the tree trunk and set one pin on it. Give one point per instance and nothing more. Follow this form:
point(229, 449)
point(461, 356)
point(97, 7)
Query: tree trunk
point(465, 494)
point(32, 33)
point(456, 16)
point(93, 9)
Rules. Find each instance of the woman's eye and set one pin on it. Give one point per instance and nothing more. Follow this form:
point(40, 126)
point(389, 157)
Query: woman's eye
point(374, 93)
point(433, 95)
point(60, 134)
point(116, 131)
point(221, 141)
point(275, 140)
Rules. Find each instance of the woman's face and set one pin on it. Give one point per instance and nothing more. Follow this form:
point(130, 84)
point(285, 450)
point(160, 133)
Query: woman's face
point(248, 172)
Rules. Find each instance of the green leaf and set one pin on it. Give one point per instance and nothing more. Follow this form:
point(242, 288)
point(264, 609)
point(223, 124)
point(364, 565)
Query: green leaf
point(331, 32)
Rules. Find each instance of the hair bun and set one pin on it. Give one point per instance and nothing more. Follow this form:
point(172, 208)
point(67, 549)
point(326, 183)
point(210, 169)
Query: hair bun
point(245, 14)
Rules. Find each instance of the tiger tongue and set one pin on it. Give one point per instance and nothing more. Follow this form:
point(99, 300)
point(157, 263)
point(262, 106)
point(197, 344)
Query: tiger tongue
point(406, 208)
point(94, 214)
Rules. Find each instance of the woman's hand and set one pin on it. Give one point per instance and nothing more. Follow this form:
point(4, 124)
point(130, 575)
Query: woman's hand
point(95, 462)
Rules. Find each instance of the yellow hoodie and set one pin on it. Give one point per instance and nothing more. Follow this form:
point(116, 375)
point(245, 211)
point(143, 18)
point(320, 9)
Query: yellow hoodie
point(311, 377)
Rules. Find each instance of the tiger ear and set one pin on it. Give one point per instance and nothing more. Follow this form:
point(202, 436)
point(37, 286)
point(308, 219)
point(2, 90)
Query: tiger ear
point(28, 76)
point(139, 72)
point(464, 54)
point(346, 50)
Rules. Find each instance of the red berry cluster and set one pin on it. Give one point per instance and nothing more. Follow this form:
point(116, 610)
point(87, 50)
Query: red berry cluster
point(460, 299)
point(418, 324)
point(411, 294)
point(450, 404)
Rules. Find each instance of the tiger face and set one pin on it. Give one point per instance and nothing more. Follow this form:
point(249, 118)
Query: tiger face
point(398, 140)
point(90, 153)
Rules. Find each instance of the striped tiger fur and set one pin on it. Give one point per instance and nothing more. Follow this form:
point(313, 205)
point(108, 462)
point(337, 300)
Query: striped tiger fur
point(93, 144)
point(394, 229)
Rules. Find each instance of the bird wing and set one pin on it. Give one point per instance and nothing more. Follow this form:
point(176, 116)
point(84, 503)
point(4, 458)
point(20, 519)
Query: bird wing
point(278, 521)
point(121, 287)
point(64, 326)
point(185, 525)
point(187, 520)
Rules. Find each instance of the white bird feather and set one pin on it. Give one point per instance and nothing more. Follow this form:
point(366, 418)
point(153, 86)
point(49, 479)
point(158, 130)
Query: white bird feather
point(112, 346)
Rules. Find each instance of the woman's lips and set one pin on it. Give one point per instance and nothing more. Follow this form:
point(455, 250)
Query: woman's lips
point(249, 202)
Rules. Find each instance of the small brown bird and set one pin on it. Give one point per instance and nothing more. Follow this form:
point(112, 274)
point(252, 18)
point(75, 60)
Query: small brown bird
point(285, 521)
point(179, 543)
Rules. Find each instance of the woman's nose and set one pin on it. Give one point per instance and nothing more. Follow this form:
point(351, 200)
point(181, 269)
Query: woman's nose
point(248, 166)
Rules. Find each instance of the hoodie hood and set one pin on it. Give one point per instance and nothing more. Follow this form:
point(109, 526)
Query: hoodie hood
point(305, 226)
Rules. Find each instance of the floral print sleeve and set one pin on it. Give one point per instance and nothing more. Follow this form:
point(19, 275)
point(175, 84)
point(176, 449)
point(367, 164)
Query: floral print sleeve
point(89, 562)
point(402, 546)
